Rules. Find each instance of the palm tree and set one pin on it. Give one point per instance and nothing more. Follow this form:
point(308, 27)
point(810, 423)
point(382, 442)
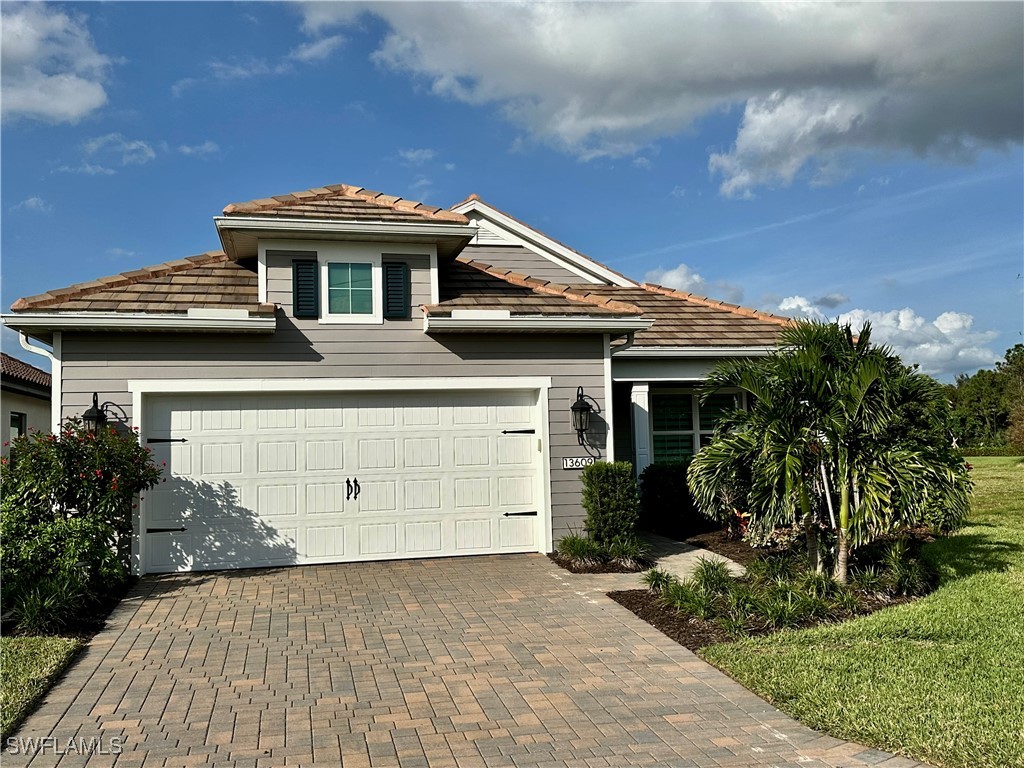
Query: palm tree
point(823, 434)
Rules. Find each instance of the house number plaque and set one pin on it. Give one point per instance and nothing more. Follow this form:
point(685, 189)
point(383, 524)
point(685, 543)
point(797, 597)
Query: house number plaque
point(577, 462)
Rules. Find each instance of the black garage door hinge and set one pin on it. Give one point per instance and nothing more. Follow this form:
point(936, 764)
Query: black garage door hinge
point(166, 440)
point(521, 514)
point(518, 431)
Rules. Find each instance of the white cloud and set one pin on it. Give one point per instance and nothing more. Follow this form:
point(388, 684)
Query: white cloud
point(114, 145)
point(34, 204)
point(317, 50)
point(943, 347)
point(205, 149)
point(815, 83)
point(417, 156)
point(121, 253)
point(799, 306)
point(51, 68)
point(89, 169)
point(684, 278)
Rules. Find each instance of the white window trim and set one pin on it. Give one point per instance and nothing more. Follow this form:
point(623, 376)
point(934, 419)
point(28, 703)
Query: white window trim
point(377, 283)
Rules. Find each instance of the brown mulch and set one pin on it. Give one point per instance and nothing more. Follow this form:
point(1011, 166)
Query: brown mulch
point(720, 543)
point(691, 633)
point(599, 568)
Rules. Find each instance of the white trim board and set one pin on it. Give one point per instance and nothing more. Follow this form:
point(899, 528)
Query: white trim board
point(533, 239)
point(536, 323)
point(139, 321)
point(399, 229)
point(694, 351)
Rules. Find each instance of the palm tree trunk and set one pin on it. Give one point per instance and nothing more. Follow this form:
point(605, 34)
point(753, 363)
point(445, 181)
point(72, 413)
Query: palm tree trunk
point(810, 529)
point(843, 549)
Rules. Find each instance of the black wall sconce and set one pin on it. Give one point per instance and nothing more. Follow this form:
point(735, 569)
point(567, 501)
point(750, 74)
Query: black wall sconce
point(581, 411)
point(95, 418)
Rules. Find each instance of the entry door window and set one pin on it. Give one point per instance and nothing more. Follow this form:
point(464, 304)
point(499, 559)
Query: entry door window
point(19, 425)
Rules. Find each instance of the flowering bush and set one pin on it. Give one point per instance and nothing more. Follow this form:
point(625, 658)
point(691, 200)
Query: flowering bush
point(66, 513)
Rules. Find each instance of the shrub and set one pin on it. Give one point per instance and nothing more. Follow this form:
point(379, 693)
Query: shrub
point(580, 550)
point(657, 580)
point(66, 520)
point(712, 577)
point(905, 573)
point(665, 502)
point(611, 501)
point(629, 553)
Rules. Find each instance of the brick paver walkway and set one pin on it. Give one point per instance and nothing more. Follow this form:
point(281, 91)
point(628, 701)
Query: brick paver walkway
point(494, 661)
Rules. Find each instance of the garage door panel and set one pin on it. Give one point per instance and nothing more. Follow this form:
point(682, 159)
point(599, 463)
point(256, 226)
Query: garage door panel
point(264, 480)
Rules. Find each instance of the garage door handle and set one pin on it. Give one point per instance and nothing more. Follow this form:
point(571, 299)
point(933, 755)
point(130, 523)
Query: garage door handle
point(357, 488)
point(165, 530)
point(167, 440)
point(521, 514)
point(519, 431)
point(348, 489)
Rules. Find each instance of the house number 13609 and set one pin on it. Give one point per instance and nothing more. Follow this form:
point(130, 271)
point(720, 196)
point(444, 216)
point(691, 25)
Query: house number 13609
point(577, 462)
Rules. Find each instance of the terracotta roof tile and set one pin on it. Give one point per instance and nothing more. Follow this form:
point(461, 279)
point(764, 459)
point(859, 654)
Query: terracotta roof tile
point(13, 369)
point(344, 202)
point(208, 281)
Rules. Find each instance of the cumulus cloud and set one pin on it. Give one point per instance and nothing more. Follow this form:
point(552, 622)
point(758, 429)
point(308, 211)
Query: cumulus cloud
point(205, 149)
point(684, 278)
point(51, 68)
point(117, 147)
point(943, 347)
point(34, 204)
point(814, 83)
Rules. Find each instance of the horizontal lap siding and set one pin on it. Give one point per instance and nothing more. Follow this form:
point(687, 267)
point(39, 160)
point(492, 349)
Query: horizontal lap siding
point(523, 261)
point(396, 349)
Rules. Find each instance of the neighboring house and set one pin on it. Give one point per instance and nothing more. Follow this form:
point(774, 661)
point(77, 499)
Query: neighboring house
point(356, 376)
point(25, 394)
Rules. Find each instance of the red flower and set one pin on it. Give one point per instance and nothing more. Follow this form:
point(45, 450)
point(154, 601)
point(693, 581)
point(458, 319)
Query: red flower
point(99, 473)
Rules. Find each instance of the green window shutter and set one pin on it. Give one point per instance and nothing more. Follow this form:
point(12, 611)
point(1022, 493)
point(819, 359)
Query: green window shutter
point(397, 295)
point(305, 289)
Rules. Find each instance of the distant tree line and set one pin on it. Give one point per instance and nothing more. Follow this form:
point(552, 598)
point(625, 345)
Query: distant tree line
point(988, 407)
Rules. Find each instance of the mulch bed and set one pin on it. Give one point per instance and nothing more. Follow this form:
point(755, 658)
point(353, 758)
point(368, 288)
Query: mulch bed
point(690, 633)
point(720, 543)
point(599, 568)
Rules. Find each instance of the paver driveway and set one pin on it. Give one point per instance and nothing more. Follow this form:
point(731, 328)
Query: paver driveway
point(493, 661)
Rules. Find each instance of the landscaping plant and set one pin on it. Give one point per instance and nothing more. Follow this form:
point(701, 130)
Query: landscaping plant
point(611, 501)
point(842, 439)
point(66, 521)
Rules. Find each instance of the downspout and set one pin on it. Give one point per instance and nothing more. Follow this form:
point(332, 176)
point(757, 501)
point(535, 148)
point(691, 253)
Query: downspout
point(630, 338)
point(55, 375)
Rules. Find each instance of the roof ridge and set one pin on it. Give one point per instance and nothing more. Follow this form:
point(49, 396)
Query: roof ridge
point(345, 190)
point(553, 289)
point(78, 290)
point(736, 309)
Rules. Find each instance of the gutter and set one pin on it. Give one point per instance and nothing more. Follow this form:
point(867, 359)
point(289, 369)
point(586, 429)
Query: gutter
point(206, 321)
point(630, 351)
point(533, 323)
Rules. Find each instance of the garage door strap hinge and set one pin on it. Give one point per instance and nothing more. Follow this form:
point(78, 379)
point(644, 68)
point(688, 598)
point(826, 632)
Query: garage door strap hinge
point(521, 514)
point(165, 530)
point(166, 440)
point(518, 431)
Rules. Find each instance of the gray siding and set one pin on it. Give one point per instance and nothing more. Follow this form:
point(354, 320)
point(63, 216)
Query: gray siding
point(523, 260)
point(104, 363)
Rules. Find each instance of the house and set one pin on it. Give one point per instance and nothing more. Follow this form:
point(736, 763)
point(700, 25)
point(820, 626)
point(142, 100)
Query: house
point(25, 393)
point(357, 376)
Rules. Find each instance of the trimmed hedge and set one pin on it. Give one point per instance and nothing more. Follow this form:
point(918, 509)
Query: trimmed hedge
point(666, 506)
point(1002, 450)
point(611, 501)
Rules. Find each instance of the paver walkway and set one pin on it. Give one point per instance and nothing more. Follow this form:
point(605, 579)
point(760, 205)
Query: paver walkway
point(460, 663)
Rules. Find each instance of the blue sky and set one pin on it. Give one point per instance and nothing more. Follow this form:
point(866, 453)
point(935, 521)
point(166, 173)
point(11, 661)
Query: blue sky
point(819, 160)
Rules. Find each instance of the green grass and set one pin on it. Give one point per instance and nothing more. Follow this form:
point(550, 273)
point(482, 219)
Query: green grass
point(941, 679)
point(28, 667)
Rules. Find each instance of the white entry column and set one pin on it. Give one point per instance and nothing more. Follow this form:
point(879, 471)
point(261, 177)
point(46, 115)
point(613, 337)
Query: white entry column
point(640, 396)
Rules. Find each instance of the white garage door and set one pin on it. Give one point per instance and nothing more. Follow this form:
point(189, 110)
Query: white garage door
point(259, 480)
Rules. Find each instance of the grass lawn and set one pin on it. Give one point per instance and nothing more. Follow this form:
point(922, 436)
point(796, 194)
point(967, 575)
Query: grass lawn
point(28, 666)
point(940, 679)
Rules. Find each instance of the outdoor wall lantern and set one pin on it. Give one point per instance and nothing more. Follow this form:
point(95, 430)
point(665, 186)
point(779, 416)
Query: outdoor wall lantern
point(581, 411)
point(95, 418)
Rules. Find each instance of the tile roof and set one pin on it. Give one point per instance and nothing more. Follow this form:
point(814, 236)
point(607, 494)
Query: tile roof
point(343, 202)
point(19, 371)
point(685, 319)
point(209, 280)
point(468, 284)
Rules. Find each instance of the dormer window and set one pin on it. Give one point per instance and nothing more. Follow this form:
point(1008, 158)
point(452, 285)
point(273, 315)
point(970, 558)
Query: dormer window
point(351, 289)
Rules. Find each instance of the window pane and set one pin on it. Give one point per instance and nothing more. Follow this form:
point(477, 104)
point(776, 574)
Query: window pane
point(339, 302)
point(362, 302)
point(711, 411)
point(337, 276)
point(672, 412)
point(362, 275)
point(672, 447)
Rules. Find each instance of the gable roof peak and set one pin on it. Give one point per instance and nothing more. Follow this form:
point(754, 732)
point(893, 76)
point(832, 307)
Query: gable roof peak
point(319, 201)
